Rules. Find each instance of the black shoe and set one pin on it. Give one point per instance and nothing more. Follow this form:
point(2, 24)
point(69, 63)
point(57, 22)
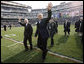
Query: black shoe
point(44, 54)
point(31, 48)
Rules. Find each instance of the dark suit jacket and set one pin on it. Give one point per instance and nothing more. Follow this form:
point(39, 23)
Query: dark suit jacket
point(28, 29)
point(4, 26)
point(67, 26)
point(77, 24)
point(56, 24)
point(10, 25)
point(42, 26)
point(52, 28)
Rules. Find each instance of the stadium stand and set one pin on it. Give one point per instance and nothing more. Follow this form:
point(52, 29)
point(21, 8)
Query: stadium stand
point(10, 11)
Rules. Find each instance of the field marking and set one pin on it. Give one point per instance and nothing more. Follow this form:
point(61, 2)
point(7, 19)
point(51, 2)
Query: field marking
point(54, 54)
point(9, 35)
point(12, 44)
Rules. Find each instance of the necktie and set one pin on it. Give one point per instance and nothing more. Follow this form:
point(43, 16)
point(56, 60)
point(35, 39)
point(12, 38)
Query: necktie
point(39, 21)
point(26, 24)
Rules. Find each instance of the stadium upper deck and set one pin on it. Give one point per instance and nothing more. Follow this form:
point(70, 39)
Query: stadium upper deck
point(13, 10)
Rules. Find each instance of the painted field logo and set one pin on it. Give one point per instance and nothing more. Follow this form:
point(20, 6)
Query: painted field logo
point(10, 35)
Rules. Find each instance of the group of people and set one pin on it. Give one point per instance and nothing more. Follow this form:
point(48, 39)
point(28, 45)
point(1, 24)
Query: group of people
point(46, 27)
point(79, 28)
point(6, 26)
point(41, 32)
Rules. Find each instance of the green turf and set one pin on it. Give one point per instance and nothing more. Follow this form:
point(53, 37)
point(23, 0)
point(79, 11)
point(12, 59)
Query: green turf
point(69, 46)
point(16, 54)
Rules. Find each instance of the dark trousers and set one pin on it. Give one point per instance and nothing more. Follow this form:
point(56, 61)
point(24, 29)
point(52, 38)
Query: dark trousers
point(52, 42)
point(77, 29)
point(42, 44)
point(51, 36)
point(25, 42)
point(4, 29)
point(56, 30)
point(10, 27)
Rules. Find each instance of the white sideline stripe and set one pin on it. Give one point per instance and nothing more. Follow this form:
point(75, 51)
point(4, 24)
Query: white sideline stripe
point(12, 40)
point(7, 35)
point(61, 56)
point(55, 54)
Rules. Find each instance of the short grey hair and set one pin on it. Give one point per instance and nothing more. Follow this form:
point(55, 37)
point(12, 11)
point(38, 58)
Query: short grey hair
point(26, 19)
point(40, 14)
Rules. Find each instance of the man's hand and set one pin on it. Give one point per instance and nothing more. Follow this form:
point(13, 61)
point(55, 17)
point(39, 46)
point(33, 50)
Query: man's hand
point(19, 19)
point(49, 6)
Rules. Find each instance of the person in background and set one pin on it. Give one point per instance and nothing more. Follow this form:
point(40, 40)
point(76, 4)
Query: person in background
point(10, 26)
point(52, 29)
point(67, 27)
point(81, 29)
point(56, 26)
point(77, 26)
point(4, 27)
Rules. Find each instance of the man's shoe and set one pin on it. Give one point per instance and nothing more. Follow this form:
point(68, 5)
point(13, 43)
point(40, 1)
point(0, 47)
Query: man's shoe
point(31, 48)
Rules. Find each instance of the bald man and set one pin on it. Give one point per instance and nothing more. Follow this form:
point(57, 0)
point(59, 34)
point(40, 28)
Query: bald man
point(42, 31)
point(27, 33)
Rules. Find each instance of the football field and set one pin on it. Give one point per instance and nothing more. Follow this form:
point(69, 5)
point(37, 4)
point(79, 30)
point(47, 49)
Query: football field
point(13, 52)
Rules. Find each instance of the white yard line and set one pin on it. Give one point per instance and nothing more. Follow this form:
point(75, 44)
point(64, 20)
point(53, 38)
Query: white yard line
point(65, 57)
point(12, 45)
point(54, 54)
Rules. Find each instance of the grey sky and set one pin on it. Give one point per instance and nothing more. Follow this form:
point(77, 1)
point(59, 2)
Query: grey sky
point(39, 4)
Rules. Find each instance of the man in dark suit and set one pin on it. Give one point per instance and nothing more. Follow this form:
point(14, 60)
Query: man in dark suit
point(27, 33)
point(67, 27)
point(4, 27)
point(42, 31)
point(77, 26)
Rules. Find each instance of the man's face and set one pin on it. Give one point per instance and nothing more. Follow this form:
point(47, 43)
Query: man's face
point(26, 20)
point(40, 16)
